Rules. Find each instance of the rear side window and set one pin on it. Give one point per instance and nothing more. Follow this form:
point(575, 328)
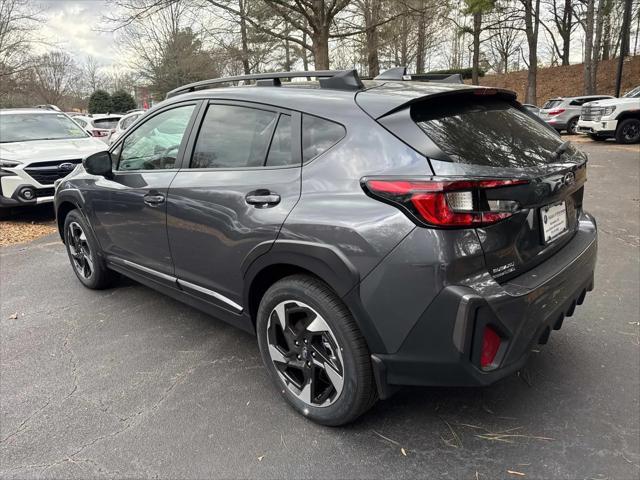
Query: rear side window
point(280, 149)
point(551, 104)
point(234, 137)
point(318, 135)
point(489, 132)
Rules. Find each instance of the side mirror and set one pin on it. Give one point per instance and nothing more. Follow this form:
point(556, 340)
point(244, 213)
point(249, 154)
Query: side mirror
point(98, 164)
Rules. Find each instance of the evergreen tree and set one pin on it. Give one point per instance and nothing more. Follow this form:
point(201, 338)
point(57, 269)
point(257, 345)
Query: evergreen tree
point(100, 102)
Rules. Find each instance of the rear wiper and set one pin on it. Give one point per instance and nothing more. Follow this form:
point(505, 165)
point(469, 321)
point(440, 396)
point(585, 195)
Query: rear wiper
point(561, 149)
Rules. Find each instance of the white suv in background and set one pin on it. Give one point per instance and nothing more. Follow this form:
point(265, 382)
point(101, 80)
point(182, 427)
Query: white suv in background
point(99, 126)
point(617, 118)
point(124, 123)
point(37, 147)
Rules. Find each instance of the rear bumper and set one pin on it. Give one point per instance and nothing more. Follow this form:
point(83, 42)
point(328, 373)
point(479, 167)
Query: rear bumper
point(444, 346)
point(556, 123)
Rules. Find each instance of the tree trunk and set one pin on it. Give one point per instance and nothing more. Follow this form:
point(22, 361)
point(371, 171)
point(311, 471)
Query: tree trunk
point(422, 41)
point(371, 19)
point(243, 37)
point(305, 59)
point(588, 49)
point(606, 35)
point(597, 45)
point(566, 34)
point(287, 56)
point(532, 29)
point(477, 29)
point(320, 44)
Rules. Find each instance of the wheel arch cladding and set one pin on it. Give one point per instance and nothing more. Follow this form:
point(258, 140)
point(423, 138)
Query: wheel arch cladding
point(322, 261)
point(61, 214)
point(289, 257)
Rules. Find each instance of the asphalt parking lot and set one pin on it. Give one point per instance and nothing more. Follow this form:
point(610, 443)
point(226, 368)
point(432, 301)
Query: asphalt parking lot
point(129, 383)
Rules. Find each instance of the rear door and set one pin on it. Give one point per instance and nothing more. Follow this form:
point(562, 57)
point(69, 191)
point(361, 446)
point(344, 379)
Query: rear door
point(493, 138)
point(240, 180)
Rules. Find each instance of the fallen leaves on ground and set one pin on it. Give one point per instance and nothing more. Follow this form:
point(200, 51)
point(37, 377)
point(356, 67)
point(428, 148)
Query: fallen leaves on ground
point(18, 231)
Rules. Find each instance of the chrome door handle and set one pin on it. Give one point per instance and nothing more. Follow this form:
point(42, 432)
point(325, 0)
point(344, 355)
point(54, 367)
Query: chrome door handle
point(262, 199)
point(153, 200)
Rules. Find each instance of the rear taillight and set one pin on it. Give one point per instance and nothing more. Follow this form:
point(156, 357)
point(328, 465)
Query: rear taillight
point(99, 133)
point(490, 345)
point(555, 111)
point(445, 202)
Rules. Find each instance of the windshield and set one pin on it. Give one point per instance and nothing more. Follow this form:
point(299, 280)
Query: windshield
point(489, 132)
point(635, 93)
point(25, 127)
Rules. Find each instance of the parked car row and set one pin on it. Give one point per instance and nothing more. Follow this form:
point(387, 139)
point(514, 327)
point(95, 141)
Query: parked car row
point(42, 144)
point(599, 116)
point(617, 118)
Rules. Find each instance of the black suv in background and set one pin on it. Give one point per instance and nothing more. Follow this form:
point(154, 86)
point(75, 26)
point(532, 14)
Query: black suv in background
point(372, 234)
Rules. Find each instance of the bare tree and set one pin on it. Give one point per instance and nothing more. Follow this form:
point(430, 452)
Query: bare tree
point(18, 21)
point(54, 77)
point(505, 40)
point(562, 18)
point(92, 77)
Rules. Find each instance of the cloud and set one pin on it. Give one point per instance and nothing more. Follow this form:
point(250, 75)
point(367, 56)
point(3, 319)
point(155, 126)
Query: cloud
point(78, 28)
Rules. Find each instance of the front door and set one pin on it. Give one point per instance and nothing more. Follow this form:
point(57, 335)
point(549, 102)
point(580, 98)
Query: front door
point(130, 208)
point(232, 197)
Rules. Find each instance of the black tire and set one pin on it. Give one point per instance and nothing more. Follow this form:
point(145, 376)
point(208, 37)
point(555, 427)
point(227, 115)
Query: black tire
point(572, 126)
point(628, 131)
point(83, 251)
point(597, 138)
point(358, 390)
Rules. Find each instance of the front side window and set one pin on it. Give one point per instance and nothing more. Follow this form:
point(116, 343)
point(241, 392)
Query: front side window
point(154, 145)
point(234, 137)
point(26, 127)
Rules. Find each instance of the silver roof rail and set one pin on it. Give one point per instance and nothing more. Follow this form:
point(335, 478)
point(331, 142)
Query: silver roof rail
point(331, 79)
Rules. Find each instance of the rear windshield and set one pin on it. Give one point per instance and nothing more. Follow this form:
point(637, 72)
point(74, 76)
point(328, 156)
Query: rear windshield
point(24, 127)
point(110, 122)
point(489, 132)
point(551, 103)
point(635, 93)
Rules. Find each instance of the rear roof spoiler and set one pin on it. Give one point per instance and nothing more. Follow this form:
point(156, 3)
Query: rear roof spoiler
point(400, 74)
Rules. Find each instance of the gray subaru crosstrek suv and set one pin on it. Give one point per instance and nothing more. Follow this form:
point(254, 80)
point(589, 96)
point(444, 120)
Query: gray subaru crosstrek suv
point(371, 234)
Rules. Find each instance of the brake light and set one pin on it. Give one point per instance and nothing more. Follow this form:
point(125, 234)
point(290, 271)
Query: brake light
point(490, 345)
point(445, 202)
point(555, 111)
point(99, 133)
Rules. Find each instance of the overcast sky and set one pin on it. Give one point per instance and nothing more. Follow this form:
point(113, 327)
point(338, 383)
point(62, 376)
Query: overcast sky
point(74, 26)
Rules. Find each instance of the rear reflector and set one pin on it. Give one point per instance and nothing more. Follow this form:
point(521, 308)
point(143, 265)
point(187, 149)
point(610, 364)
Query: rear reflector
point(490, 346)
point(445, 202)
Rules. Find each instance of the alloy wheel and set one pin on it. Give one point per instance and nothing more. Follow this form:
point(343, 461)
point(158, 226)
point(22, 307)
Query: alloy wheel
point(305, 353)
point(80, 251)
point(631, 131)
